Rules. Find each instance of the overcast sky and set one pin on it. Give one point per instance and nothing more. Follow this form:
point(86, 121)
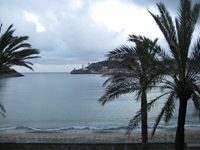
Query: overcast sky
point(72, 33)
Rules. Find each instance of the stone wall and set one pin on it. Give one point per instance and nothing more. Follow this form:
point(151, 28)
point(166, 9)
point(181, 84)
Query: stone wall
point(87, 146)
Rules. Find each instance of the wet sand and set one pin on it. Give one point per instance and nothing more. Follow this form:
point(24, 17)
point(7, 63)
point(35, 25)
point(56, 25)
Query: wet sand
point(192, 135)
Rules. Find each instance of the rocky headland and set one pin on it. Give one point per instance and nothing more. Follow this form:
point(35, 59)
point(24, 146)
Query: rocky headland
point(10, 73)
point(101, 67)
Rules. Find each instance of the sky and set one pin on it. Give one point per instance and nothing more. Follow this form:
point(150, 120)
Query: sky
point(72, 33)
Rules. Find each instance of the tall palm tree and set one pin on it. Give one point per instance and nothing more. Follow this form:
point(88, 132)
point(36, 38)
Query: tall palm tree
point(14, 50)
point(185, 83)
point(139, 73)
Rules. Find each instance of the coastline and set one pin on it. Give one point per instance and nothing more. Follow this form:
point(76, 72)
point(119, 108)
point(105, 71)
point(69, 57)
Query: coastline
point(10, 73)
point(192, 135)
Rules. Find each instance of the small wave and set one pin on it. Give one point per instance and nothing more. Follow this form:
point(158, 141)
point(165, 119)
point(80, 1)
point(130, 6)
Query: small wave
point(63, 128)
point(94, 128)
point(7, 128)
point(170, 126)
point(192, 125)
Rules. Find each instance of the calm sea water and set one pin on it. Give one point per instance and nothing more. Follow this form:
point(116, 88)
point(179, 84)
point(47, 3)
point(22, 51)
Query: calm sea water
point(56, 101)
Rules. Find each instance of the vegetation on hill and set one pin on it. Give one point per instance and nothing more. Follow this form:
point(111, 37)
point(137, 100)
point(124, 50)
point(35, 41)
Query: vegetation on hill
point(95, 68)
point(9, 73)
point(98, 65)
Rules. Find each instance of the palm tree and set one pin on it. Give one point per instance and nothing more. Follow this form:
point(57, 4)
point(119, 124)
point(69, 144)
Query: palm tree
point(139, 73)
point(185, 83)
point(14, 50)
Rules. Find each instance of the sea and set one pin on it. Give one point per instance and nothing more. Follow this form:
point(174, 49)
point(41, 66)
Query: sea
point(62, 101)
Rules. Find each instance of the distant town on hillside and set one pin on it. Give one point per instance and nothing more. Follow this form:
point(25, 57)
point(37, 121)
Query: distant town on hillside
point(101, 67)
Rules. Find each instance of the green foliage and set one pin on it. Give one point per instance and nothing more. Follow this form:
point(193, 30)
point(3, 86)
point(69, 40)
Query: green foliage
point(97, 66)
point(14, 50)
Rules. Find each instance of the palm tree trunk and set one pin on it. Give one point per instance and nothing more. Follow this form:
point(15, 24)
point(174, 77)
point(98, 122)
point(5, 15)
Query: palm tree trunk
point(144, 121)
point(180, 131)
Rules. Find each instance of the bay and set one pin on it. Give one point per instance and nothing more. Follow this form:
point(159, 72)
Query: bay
point(57, 101)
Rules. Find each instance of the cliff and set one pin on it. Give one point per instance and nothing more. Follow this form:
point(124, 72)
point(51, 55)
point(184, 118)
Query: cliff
point(9, 73)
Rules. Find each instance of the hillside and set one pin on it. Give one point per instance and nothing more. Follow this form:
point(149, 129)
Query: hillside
point(9, 73)
point(95, 68)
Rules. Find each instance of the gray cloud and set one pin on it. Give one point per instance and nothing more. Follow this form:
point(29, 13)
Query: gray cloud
point(69, 30)
point(171, 4)
point(64, 30)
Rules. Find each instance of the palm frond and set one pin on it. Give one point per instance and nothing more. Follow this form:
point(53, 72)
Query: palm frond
point(134, 122)
point(118, 85)
point(1, 27)
point(196, 102)
point(166, 25)
point(146, 42)
point(15, 51)
point(18, 43)
point(6, 37)
point(2, 110)
point(185, 27)
point(194, 60)
point(120, 53)
point(24, 53)
point(195, 50)
point(167, 110)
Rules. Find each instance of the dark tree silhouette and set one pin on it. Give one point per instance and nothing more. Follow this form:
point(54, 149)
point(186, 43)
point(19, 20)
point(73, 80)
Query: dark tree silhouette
point(185, 69)
point(140, 72)
point(15, 51)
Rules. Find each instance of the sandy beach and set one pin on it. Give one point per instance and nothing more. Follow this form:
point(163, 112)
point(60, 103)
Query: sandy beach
point(115, 135)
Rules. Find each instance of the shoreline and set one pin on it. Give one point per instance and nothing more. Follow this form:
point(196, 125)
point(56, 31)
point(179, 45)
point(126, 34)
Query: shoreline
point(192, 135)
point(9, 73)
